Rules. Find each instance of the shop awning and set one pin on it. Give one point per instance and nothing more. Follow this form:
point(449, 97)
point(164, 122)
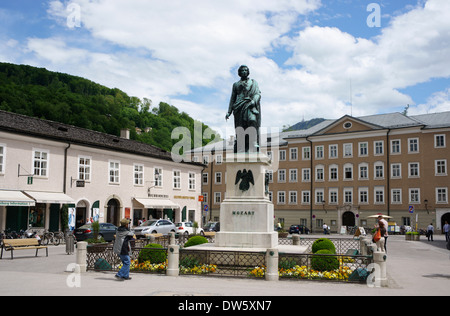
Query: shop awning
point(15, 198)
point(157, 203)
point(50, 197)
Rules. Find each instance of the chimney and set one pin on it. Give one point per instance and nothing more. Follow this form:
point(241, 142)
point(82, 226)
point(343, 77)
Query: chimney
point(125, 133)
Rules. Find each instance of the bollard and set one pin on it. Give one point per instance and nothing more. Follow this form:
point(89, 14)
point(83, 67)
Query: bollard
point(379, 259)
point(82, 256)
point(272, 265)
point(173, 258)
point(172, 240)
point(296, 240)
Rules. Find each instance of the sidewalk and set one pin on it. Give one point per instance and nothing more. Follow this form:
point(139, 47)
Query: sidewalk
point(414, 268)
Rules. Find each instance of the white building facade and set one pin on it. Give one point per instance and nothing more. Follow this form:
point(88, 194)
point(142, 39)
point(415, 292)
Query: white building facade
point(45, 165)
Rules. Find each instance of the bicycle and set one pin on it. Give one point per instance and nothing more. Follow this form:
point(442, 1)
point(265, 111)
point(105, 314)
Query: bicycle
point(48, 237)
point(59, 238)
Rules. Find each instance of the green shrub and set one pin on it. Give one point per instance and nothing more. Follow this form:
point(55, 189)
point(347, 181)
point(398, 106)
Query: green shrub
point(324, 263)
point(152, 255)
point(195, 240)
point(323, 243)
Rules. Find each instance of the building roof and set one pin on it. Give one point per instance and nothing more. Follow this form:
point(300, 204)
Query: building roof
point(31, 126)
point(377, 122)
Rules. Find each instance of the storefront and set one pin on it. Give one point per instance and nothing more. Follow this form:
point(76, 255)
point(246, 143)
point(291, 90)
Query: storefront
point(14, 207)
point(157, 208)
point(23, 209)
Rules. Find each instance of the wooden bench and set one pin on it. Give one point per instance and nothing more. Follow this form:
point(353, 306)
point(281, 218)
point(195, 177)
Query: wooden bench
point(21, 244)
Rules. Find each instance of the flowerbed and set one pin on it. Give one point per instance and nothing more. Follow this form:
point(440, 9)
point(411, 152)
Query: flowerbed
point(147, 266)
point(304, 272)
point(203, 269)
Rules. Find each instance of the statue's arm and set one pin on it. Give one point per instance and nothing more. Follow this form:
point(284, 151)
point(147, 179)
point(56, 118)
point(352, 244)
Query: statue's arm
point(232, 101)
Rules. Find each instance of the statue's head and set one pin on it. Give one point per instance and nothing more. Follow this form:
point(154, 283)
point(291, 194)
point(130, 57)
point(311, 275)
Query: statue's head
point(244, 71)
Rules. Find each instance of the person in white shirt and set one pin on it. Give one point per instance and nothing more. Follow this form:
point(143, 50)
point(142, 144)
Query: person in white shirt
point(385, 224)
point(430, 231)
point(447, 231)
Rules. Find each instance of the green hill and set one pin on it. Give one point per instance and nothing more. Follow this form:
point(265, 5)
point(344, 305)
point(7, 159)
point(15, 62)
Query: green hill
point(80, 102)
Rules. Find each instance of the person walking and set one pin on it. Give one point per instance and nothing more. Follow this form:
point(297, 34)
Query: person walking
point(430, 231)
point(122, 248)
point(447, 231)
point(385, 225)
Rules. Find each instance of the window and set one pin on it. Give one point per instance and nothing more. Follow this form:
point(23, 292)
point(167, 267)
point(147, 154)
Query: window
point(191, 180)
point(333, 199)
point(363, 195)
point(282, 155)
point(379, 170)
point(218, 178)
point(2, 158)
point(395, 146)
point(442, 195)
point(205, 160)
point(378, 148)
point(219, 159)
point(293, 153)
point(158, 177)
point(413, 145)
point(306, 175)
point(441, 167)
point(292, 175)
point(205, 178)
point(414, 195)
point(414, 170)
point(306, 197)
point(396, 196)
point(306, 153)
point(348, 196)
point(138, 174)
point(320, 196)
point(348, 172)
point(333, 173)
point(281, 197)
point(379, 195)
point(363, 149)
point(363, 171)
point(292, 197)
point(217, 197)
point(396, 170)
point(84, 168)
point(282, 175)
point(270, 172)
point(177, 179)
point(348, 150)
point(40, 163)
point(319, 152)
point(333, 151)
point(439, 141)
point(114, 172)
point(319, 173)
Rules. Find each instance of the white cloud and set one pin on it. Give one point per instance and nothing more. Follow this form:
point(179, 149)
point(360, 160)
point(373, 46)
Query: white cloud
point(162, 49)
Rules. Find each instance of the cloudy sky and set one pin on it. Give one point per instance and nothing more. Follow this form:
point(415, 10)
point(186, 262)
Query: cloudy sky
point(311, 58)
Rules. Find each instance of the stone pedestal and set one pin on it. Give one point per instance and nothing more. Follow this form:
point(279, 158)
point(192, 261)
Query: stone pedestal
point(246, 216)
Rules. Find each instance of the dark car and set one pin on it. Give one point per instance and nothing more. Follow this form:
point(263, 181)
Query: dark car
point(298, 229)
point(212, 227)
point(107, 231)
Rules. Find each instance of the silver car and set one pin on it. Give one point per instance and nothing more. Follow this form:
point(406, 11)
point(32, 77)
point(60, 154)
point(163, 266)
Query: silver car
point(155, 226)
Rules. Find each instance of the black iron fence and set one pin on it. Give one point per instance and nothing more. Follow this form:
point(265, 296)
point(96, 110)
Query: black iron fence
point(344, 266)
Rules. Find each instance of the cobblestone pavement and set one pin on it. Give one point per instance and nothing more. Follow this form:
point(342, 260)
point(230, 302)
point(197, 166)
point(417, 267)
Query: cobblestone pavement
point(414, 268)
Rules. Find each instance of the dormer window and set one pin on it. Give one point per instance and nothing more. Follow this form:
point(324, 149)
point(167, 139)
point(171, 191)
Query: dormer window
point(348, 125)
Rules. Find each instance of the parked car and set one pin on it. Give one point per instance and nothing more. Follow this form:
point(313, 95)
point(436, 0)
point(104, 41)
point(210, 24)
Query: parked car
point(298, 229)
point(107, 231)
point(212, 227)
point(155, 226)
point(187, 228)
